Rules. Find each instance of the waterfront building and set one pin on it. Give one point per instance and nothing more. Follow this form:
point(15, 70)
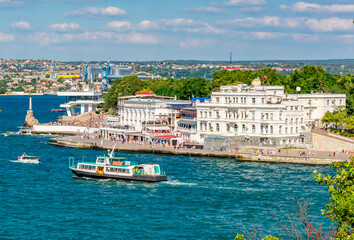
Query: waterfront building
point(317, 104)
point(259, 115)
point(145, 116)
point(81, 102)
point(187, 124)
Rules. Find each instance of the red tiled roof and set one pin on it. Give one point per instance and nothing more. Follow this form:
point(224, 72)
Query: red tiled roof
point(167, 136)
point(145, 93)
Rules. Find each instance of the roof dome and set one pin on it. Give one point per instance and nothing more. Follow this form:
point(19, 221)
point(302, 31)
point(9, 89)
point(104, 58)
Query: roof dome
point(256, 82)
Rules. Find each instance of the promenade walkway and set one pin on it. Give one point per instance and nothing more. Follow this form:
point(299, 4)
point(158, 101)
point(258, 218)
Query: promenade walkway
point(246, 154)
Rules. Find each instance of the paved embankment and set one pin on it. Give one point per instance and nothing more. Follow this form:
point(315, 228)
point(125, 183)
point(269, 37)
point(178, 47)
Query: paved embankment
point(288, 156)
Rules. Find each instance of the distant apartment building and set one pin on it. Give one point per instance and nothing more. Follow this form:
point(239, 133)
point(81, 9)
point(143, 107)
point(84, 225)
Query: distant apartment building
point(259, 115)
point(120, 71)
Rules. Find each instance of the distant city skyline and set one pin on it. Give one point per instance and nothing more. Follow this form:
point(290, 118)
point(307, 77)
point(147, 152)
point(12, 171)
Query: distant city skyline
point(130, 30)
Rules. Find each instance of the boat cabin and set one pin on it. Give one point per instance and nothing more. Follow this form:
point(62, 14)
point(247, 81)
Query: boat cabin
point(151, 169)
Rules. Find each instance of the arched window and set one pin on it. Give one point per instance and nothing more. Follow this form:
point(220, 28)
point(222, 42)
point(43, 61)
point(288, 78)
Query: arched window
point(243, 128)
point(271, 129)
point(280, 129)
point(217, 127)
point(227, 127)
point(253, 129)
point(235, 128)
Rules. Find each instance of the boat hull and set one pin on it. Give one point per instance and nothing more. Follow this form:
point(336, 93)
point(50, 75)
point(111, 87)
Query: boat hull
point(143, 178)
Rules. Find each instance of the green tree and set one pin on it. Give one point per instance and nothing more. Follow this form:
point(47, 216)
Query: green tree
point(311, 78)
point(122, 87)
point(341, 187)
point(327, 118)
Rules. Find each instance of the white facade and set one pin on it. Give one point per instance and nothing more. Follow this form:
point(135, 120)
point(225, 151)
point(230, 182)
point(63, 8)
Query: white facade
point(139, 112)
point(85, 101)
point(318, 104)
point(261, 115)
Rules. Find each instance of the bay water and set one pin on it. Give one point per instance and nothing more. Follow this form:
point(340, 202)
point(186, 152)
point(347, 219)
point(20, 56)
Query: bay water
point(205, 198)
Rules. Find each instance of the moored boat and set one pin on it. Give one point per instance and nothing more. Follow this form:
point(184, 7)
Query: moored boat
point(112, 167)
point(28, 159)
point(58, 110)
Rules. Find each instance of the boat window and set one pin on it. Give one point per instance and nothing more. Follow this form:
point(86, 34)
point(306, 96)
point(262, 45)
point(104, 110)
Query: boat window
point(122, 170)
point(157, 170)
point(100, 160)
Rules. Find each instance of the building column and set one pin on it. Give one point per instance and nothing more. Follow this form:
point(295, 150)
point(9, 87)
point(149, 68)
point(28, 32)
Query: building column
point(90, 107)
point(82, 108)
point(73, 111)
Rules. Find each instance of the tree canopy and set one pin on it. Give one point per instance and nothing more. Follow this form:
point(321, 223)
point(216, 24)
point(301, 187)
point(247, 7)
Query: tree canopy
point(309, 78)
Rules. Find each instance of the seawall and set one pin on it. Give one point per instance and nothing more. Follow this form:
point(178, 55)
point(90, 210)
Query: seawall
point(72, 142)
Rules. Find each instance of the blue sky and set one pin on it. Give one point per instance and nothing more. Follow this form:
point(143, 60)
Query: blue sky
point(129, 30)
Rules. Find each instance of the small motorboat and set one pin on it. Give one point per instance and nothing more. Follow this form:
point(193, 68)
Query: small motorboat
point(28, 159)
point(58, 110)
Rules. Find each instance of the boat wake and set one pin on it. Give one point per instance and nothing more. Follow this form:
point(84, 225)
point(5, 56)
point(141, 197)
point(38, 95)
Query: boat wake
point(23, 162)
point(178, 183)
point(6, 134)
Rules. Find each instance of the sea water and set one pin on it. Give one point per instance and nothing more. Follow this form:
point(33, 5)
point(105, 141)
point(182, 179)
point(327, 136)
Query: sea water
point(205, 198)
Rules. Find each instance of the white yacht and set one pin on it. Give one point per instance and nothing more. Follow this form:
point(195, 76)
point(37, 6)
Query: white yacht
point(28, 159)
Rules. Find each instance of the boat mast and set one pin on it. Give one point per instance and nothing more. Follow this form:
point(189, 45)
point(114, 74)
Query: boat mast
point(110, 153)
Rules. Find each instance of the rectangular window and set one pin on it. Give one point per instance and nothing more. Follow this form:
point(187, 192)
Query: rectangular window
point(253, 115)
point(253, 100)
point(262, 100)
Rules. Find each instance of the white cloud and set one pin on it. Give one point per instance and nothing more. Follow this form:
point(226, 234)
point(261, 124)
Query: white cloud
point(44, 38)
point(195, 43)
point(313, 7)
point(138, 38)
point(95, 11)
point(21, 25)
point(244, 2)
point(11, 3)
point(6, 37)
point(305, 37)
point(65, 27)
point(330, 24)
point(266, 35)
point(318, 25)
point(348, 38)
point(172, 25)
point(209, 9)
point(268, 21)
point(120, 26)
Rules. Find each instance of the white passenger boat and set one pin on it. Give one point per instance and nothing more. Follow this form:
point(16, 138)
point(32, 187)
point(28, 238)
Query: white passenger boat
point(117, 168)
point(28, 159)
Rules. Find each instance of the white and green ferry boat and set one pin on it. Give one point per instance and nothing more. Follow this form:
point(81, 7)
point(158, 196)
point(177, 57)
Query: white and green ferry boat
point(111, 167)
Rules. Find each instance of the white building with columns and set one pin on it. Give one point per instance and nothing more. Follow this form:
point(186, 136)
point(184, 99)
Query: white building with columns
point(258, 115)
point(81, 102)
